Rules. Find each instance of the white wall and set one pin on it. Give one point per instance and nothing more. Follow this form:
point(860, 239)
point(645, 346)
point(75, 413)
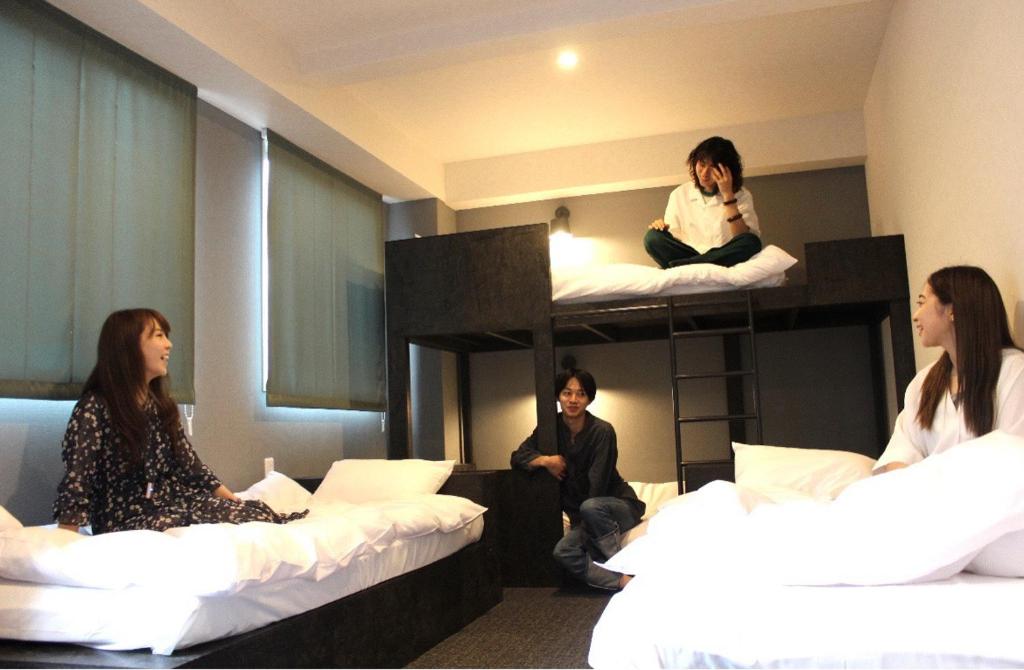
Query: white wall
point(234, 430)
point(945, 138)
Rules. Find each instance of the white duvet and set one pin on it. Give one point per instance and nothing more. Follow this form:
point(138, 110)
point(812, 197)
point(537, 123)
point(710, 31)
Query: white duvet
point(626, 280)
point(960, 509)
point(907, 569)
point(220, 559)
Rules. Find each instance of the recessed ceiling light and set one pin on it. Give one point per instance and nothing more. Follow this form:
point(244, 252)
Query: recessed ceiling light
point(568, 59)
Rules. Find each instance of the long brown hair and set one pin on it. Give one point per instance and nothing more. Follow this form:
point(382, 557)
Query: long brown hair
point(982, 332)
point(120, 379)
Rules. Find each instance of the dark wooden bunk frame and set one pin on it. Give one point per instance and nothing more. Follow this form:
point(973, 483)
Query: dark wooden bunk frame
point(490, 290)
point(385, 626)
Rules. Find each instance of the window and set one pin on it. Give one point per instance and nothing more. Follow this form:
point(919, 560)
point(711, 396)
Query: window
point(325, 252)
point(97, 181)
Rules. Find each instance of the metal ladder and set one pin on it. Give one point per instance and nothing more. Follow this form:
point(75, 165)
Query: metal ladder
point(674, 335)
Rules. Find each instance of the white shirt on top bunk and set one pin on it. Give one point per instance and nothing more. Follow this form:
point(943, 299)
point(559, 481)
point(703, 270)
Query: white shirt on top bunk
point(911, 443)
point(700, 220)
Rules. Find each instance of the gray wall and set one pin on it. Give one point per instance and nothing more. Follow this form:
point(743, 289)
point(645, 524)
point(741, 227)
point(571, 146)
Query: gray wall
point(792, 208)
point(234, 430)
point(816, 385)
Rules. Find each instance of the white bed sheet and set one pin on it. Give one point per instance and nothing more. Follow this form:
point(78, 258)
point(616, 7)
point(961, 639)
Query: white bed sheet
point(965, 621)
point(163, 620)
point(626, 280)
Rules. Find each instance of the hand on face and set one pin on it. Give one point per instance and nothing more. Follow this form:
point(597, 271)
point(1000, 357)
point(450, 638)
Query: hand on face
point(723, 179)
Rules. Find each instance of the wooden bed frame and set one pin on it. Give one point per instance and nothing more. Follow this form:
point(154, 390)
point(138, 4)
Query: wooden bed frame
point(491, 290)
point(385, 626)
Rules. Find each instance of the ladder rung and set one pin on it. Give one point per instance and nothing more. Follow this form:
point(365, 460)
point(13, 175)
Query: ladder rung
point(719, 417)
point(711, 375)
point(712, 332)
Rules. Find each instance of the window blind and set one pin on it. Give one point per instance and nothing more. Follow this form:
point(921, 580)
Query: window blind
point(97, 181)
point(325, 238)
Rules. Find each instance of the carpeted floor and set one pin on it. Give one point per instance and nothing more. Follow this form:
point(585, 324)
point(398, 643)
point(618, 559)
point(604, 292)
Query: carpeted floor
point(530, 628)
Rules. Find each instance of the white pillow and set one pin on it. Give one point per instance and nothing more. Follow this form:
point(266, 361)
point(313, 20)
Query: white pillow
point(1002, 558)
point(654, 495)
point(7, 520)
point(357, 481)
point(424, 514)
point(786, 473)
point(283, 494)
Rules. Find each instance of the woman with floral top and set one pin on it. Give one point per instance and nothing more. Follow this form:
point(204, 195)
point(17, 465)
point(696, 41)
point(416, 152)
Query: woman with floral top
point(129, 465)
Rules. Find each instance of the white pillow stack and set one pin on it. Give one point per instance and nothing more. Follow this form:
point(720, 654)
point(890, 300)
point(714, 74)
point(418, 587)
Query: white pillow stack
point(654, 495)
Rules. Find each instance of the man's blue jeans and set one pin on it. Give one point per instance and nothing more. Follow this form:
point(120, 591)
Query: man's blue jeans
point(596, 537)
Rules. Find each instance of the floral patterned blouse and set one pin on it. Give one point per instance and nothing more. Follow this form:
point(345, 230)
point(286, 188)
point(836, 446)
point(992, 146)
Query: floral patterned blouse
point(103, 488)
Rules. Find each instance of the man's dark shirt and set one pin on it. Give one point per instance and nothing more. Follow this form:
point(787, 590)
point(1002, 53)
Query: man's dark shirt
point(590, 465)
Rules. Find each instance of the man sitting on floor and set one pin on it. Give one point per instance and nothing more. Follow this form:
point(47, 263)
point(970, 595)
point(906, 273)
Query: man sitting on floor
point(600, 504)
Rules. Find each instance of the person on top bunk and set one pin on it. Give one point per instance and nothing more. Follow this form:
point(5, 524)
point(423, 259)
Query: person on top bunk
point(128, 463)
point(709, 219)
point(975, 387)
point(600, 504)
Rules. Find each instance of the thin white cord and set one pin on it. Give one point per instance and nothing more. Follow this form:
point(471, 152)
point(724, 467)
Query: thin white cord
point(190, 411)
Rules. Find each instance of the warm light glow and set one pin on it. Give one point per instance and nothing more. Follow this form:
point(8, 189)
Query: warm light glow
point(567, 60)
point(568, 251)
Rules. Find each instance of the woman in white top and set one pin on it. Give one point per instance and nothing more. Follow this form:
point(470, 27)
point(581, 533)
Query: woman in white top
point(976, 386)
point(709, 219)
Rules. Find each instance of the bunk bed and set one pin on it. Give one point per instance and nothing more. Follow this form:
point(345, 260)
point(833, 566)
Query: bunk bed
point(491, 290)
point(386, 625)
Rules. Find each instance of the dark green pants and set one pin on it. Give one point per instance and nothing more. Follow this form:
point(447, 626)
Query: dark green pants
point(668, 252)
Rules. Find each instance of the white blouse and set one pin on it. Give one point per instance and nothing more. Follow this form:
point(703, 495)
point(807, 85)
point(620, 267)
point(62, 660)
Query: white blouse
point(700, 220)
point(911, 443)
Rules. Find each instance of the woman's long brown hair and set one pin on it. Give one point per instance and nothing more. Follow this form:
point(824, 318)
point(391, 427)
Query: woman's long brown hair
point(982, 332)
point(120, 379)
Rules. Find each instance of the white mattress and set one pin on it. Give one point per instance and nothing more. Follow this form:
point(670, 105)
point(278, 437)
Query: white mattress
point(139, 618)
point(626, 280)
point(965, 621)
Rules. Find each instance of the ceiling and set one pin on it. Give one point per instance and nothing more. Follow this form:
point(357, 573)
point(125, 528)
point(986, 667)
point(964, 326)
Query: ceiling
point(463, 100)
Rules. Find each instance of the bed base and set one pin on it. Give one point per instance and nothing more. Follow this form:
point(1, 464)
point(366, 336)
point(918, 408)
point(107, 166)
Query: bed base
point(385, 626)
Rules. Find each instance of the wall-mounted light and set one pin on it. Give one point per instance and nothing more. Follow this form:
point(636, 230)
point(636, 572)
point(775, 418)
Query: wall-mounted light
point(560, 224)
